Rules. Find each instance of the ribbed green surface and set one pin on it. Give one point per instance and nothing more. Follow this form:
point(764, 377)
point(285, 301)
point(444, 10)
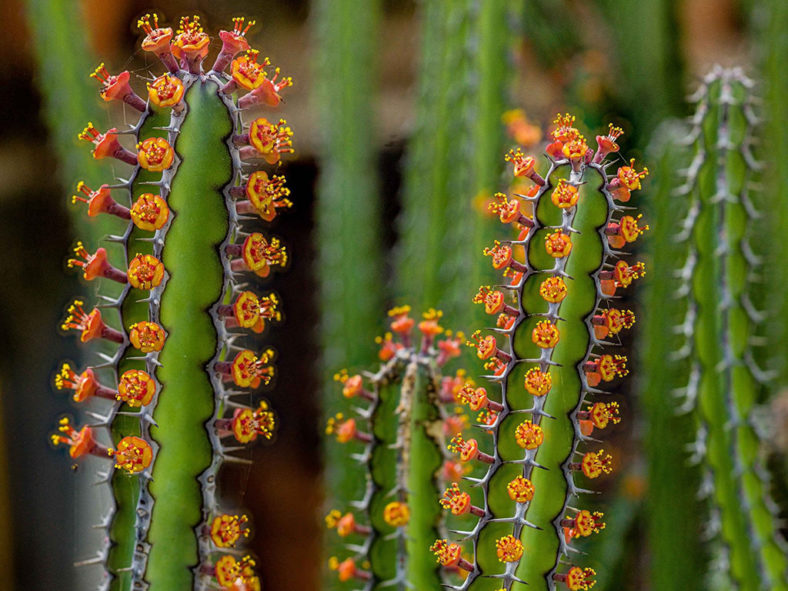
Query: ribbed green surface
point(564, 397)
point(647, 58)
point(728, 388)
point(435, 265)
point(773, 47)
point(674, 512)
point(70, 98)
point(186, 400)
point(350, 265)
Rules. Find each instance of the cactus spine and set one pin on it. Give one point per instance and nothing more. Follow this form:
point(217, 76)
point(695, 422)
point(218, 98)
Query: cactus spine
point(720, 322)
point(555, 317)
point(182, 311)
point(404, 448)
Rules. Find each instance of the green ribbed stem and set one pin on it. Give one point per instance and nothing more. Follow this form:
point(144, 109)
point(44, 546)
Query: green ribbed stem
point(195, 282)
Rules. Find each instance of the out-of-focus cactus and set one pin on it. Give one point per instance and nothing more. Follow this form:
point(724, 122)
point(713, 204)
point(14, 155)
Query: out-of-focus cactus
point(722, 375)
point(350, 263)
point(558, 333)
point(674, 514)
point(176, 306)
point(66, 98)
point(399, 435)
point(463, 80)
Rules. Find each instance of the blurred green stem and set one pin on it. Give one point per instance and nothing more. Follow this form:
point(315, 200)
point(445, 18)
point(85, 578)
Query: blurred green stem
point(350, 264)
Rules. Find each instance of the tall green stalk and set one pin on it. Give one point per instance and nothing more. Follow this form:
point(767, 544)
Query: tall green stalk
point(673, 510)
point(461, 94)
point(350, 265)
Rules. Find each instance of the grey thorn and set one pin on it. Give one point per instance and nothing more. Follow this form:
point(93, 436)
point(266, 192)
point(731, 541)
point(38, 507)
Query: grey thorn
point(98, 559)
point(755, 315)
point(760, 375)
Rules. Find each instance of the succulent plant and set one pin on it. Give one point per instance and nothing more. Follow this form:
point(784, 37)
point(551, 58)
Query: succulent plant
point(398, 437)
point(553, 345)
point(554, 313)
point(170, 396)
point(719, 362)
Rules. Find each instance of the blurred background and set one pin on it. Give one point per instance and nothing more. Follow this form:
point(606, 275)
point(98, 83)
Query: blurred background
point(397, 111)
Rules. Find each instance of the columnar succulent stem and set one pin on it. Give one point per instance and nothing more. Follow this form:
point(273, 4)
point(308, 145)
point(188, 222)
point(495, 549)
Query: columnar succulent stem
point(720, 321)
point(403, 453)
point(555, 322)
point(183, 311)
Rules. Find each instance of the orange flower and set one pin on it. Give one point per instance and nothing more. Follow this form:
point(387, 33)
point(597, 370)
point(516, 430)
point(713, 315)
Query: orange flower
point(605, 367)
point(258, 254)
point(90, 325)
point(106, 145)
point(146, 336)
point(166, 91)
point(145, 271)
point(117, 87)
point(558, 244)
point(450, 555)
point(529, 435)
point(583, 524)
point(564, 195)
point(520, 490)
point(155, 154)
point(396, 514)
point(347, 570)
point(132, 454)
point(624, 231)
point(229, 571)
point(459, 502)
point(622, 275)
point(247, 423)
point(80, 442)
point(267, 93)
point(509, 549)
point(594, 464)
point(577, 579)
point(251, 311)
point(345, 429)
point(545, 335)
point(157, 39)
point(468, 450)
point(85, 385)
point(401, 322)
point(150, 212)
point(607, 143)
point(247, 370)
point(136, 388)
point(553, 289)
point(388, 348)
point(611, 321)
point(190, 44)
point(225, 530)
point(508, 211)
point(345, 524)
point(268, 140)
point(233, 42)
point(494, 302)
point(265, 196)
point(100, 201)
point(246, 72)
point(538, 382)
point(95, 265)
point(487, 347)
